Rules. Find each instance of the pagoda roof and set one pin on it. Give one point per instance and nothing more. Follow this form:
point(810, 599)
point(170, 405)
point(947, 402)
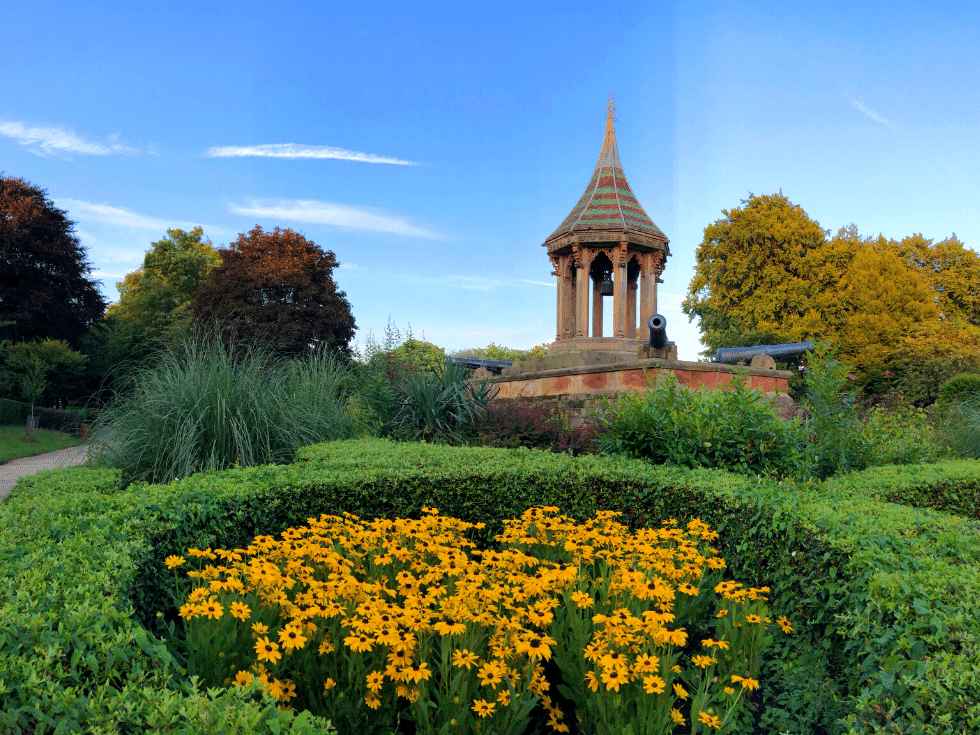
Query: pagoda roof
point(608, 202)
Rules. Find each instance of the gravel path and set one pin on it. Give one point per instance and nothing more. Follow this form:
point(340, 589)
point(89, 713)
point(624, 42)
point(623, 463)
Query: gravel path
point(18, 468)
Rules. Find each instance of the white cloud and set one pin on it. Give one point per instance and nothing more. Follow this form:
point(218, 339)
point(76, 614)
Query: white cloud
point(864, 109)
point(331, 213)
point(107, 275)
point(293, 150)
point(542, 283)
point(55, 139)
point(106, 215)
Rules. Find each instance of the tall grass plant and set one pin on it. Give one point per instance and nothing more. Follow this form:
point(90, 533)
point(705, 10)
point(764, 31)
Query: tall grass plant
point(959, 428)
point(209, 405)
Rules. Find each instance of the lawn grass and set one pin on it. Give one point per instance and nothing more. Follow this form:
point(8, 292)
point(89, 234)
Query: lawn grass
point(13, 445)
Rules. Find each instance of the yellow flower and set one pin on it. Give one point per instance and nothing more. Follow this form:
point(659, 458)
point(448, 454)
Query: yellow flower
point(325, 647)
point(243, 679)
point(260, 628)
point(646, 663)
point(240, 610)
point(709, 720)
point(785, 624)
point(483, 707)
point(212, 608)
point(174, 561)
point(449, 627)
point(653, 684)
point(746, 682)
point(753, 618)
point(462, 658)
point(372, 701)
point(582, 599)
point(490, 674)
point(703, 662)
point(375, 680)
point(504, 697)
point(680, 691)
point(677, 717)
point(291, 637)
point(267, 650)
point(614, 678)
point(358, 643)
point(289, 691)
point(729, 691)
point(591, 680)
point(189, 611)
point(708, 643)
point(329, 684)
point(416, 673)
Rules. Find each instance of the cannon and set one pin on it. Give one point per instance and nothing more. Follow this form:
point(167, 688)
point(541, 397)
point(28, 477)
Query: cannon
point(735, 355)
point(658, 331)
point(493, 366)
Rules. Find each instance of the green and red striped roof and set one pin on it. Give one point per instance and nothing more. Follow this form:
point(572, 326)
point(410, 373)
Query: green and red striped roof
point(608, 202)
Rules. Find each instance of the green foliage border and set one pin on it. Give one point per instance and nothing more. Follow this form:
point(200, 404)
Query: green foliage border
point(883, 595)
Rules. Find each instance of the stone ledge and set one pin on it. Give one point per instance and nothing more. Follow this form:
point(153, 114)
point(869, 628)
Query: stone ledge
point(651, 364)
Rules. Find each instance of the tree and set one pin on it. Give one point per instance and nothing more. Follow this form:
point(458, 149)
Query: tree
point(952, 271)
point(756, 270)
point(156, 298)
point(41, 372)
point(419, 356)
point(277, 286)
point(45, 289)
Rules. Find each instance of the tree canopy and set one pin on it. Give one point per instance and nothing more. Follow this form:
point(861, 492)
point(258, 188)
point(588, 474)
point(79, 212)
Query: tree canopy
point(156, 299)
point(277, 286)
point(767, 272)
point(45, 287)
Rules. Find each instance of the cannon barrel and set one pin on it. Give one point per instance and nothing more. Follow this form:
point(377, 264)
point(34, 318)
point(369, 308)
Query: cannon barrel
point(658, 331)
point(734, 355)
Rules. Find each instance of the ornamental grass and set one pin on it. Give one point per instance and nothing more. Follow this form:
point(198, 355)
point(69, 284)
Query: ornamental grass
point(568, 625)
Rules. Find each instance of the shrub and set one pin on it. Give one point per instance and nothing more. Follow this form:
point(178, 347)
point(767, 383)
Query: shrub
point(518, 422)
point(956, 389)
point(208, 405)
point(440, 407)
point(900, 434)
point(959, 427)
point(463, 637)
point(837, 443)
point(735, 429)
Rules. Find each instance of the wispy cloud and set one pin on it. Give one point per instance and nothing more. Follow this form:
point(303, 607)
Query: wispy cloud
point(107, 275)
point(859, 105)
point(542, 283)
point(60, 140)
point(294, 150)
point(117, 216)
point(331, 213)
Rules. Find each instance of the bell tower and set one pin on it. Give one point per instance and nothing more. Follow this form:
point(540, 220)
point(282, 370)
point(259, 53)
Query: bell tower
point(607, 246)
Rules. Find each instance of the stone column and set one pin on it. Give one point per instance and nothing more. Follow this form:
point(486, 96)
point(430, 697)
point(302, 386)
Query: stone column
point(647, 290)
point(631, 308)
point(596, 308)
point(570, 305)
point(619, 291)
point(582, 286)
point(561, 298)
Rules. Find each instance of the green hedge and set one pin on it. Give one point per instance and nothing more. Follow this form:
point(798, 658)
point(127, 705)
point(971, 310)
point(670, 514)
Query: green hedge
point(951, 486)
point(884, 597)
point(72, 656)
point(65, 420)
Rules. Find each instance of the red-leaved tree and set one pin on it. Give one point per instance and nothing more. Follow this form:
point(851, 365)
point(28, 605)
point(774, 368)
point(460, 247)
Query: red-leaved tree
point(278, 287)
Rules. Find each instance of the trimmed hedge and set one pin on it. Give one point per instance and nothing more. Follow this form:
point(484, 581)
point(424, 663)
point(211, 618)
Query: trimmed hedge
point(72, 656)
point(950, 486)
point(884, 597)
point(66, 421)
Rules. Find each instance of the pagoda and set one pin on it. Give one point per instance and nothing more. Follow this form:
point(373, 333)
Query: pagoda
point(610, 240)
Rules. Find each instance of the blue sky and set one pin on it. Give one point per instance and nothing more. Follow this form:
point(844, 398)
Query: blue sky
point(434, 146)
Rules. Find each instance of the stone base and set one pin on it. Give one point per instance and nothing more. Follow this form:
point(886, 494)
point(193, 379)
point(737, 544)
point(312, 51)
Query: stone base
point(590, 352)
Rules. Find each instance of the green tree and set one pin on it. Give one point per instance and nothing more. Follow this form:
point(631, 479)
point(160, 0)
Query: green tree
point(420, 356)
point(952, 271)
point(42, 372)
point(45, 287)
point(156, 299)
point(757, 270)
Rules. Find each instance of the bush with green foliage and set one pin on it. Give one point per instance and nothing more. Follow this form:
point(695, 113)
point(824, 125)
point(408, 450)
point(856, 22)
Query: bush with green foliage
point(440, 407)
point(951, 486)
point(883, 596)
point(42, 372)
point(535, 424)
point(72, 657)
point(419, 356)
point(734, 428)
point(208, 405)
point(900, 434)
point(959, 427)
point(959, 388)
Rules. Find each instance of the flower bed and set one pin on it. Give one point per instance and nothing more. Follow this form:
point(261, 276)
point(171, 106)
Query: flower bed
point(884, 596)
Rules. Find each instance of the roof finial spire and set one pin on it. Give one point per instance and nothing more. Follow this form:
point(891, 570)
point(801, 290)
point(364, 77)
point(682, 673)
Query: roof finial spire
point(611, 109)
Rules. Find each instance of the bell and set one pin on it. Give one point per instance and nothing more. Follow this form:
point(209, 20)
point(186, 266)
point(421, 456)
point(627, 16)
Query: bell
point(606, 287)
